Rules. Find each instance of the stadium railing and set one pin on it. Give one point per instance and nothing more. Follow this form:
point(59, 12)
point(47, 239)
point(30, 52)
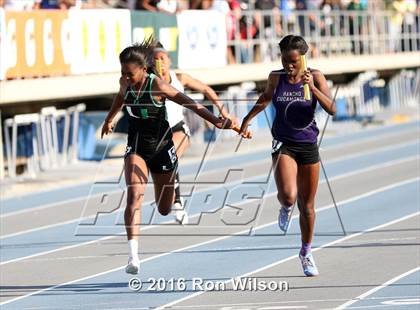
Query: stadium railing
point(339, 32)
point(42, 141)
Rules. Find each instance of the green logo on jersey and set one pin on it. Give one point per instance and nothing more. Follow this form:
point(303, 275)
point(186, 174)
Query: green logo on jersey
point(144, 113)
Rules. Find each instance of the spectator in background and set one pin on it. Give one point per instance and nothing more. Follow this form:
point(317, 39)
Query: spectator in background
point(54, 4)
point(356, 26)
point(268, 28)
point(329, 20)
point(269, 5)
point(400, 9)
point(147, 5)
point(164, 6)
point(310, 25)
point(169, 6)
point(95, 4)
point(195, 4)
point(85, 4)
point(287, 8)
point(408, 25)
point(247, 30)
point(67, 4)
point(124, 4)
point(49, 4)
point(18, 5)
point(232, 18)
point(216, 5)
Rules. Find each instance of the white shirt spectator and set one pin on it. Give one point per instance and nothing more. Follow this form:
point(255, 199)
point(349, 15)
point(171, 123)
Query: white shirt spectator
point(19, 5)
point(220, 6)
point(169, 6)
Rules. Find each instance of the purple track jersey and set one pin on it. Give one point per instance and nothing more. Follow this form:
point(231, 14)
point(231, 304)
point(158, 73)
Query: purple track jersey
point(294, 120)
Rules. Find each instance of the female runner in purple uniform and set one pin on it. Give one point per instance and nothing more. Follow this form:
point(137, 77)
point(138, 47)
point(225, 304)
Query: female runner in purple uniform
point(295, 154)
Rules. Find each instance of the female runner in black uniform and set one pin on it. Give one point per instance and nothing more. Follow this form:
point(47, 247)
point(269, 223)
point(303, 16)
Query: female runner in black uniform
point(150, 146)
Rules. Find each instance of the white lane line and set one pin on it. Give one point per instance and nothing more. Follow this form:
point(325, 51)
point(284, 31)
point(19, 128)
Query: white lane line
point(170, 304)
point(370, 138)
point(49, 205)
point(241, 203)
point(281, 307)
point(374, 167)
point(118, 268)
point(360, 171)
point(337, 177)
point(127, 305)
point(255, 248)
point(375, 289)
point(58, 249)
point(415, 301)
point(119, 210)
point(55, 204)
point(371, 151)
point(238, 233)
point(61, 202)
point(288, 302)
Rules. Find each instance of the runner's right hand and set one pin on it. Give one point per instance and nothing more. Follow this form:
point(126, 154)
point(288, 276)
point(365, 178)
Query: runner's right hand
point(244, 131)
point(225, 123)
point(106, 128)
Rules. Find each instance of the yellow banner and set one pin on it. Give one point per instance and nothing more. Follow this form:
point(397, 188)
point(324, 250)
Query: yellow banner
point(35, 43)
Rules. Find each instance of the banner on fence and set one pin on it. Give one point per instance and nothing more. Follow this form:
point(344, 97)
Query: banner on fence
point(202, 39)
point(97, 38)
point(35, 44)
point(162, 26)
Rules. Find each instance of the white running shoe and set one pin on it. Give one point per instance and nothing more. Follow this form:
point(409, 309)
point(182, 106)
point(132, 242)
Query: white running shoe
point(133, 266)
point(308, 265)
point(181, 215)
point(284, 218)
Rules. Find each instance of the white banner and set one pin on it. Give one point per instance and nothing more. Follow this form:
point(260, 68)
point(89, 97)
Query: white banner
point(202, 39)
point(2, 44)
point(98, 37)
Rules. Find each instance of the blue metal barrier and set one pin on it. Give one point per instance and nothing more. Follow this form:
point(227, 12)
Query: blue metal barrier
point(43, 140)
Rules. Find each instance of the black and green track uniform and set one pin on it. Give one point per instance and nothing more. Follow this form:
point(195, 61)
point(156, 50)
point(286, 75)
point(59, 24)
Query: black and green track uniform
point(149, 134)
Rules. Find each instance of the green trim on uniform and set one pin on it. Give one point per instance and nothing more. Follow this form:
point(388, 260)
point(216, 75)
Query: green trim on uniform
point(152, 77)
point(139, 94)
point(144, 113)
point(126, 94)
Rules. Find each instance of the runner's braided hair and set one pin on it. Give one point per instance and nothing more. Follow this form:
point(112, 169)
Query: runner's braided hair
point(141, 54)
point(292, 42)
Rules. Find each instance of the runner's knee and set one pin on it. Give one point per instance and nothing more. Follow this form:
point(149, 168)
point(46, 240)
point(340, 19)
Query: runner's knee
point(134, 197)
point(286, 199)
point(306, 209)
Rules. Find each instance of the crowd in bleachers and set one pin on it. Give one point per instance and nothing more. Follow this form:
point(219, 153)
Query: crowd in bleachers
point(265, 20)
point(173, 6)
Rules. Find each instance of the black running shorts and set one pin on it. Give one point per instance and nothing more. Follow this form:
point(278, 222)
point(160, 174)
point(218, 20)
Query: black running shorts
point(181, 126)
point(162, 160)
point(302, 153)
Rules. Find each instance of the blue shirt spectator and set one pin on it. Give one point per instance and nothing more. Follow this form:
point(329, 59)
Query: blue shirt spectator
point(49, 4)
point(54, 4)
